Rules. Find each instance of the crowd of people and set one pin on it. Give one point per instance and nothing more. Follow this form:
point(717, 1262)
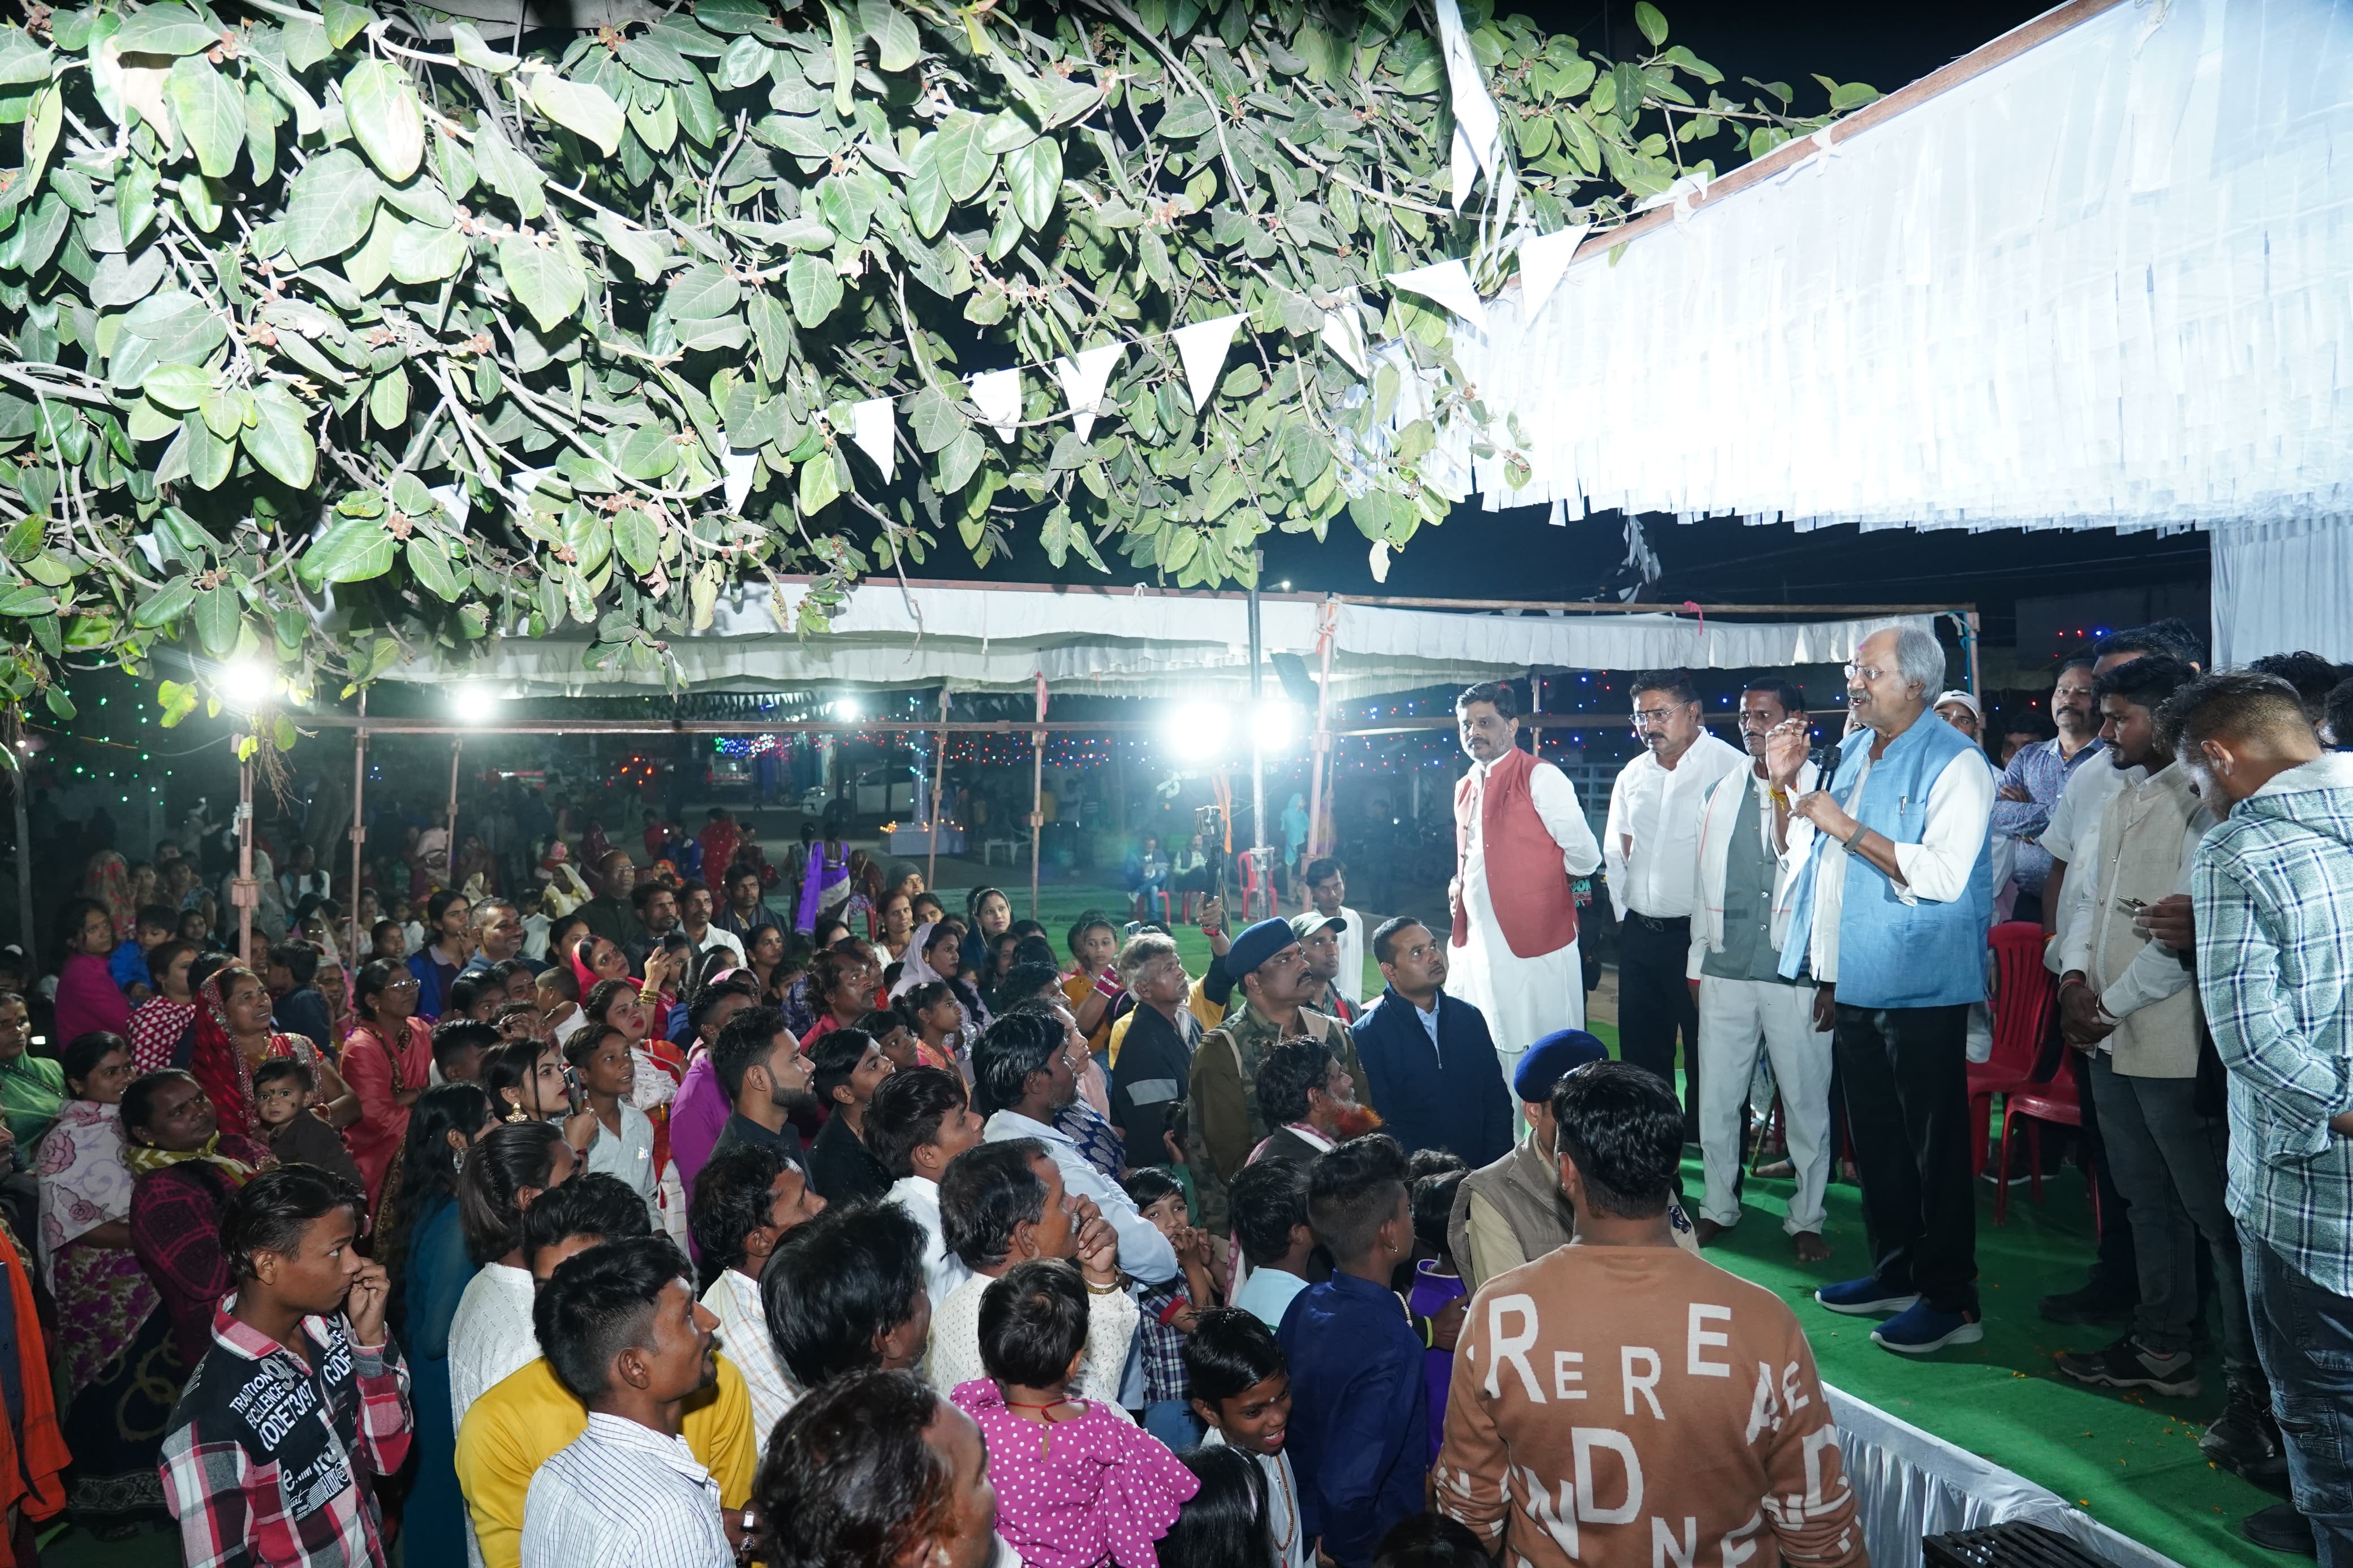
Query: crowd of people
point(644, 1223)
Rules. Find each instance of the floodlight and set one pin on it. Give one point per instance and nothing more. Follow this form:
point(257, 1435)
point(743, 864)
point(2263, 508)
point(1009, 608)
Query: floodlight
point(246, 682)
point(844, 708)
point(1274, 723)
point(1199, 731)
point(475, 702)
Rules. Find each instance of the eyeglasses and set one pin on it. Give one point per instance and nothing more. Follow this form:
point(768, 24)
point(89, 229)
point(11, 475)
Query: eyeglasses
point(1652, 715)
point(1869, 674)
point(407, 985)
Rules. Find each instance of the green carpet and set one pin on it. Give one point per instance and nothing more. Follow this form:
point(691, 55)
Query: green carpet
point(2129, 1459)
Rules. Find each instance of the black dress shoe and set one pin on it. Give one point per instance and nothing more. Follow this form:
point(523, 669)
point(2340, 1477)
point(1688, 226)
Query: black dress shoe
point(2280, 1527)
point(2092, 1304)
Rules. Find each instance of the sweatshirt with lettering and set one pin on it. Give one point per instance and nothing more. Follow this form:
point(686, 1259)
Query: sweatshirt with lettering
point(1637, 1406)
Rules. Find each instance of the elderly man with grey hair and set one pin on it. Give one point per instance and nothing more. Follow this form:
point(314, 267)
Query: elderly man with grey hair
point(1893, 896)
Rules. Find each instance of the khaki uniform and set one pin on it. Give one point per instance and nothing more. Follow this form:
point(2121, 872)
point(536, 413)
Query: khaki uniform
point(1223, 1121)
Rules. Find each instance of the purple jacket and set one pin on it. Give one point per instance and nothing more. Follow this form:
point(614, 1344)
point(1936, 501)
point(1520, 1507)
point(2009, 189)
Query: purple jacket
point(696, 1116)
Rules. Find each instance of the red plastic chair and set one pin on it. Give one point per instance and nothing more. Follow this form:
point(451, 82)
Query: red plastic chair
point(2022, 1016)
point(2055, 1101)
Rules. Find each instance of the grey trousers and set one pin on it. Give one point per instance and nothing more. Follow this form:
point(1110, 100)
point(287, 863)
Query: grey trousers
point(2168, 1162)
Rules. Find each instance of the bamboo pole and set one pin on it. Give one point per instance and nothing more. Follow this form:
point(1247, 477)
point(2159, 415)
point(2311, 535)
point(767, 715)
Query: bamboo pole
point(1037, 810)
point(359, 828)
point(939, 761)
point(245, 893)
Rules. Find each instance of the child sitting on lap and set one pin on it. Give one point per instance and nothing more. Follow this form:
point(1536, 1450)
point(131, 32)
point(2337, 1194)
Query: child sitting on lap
point(1077, 1483)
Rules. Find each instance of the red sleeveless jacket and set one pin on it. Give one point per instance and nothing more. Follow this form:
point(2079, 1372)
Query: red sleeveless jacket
point(1527, 876)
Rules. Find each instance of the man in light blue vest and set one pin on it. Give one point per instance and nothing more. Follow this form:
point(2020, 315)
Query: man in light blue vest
point(1894, 895)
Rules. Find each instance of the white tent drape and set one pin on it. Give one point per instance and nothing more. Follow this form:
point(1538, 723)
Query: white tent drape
point(1123, 642)
point(2107, 283)
point(2279, 587)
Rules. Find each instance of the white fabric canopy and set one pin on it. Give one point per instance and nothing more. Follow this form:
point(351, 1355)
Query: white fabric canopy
point(2284, 586)
point(1130, 642)
point(2108, 282)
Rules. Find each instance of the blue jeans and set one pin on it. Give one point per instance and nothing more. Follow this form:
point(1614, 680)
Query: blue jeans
point(2304, 1335)
point(1172, 1422)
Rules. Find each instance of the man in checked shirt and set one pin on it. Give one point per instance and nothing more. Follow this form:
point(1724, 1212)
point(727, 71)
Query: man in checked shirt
point(303, 1402)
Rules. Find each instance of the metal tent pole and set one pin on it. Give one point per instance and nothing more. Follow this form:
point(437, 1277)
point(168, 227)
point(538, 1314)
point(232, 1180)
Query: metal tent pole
point(1257, 753)
point(245, 893)
point(457, 748)
point(1322, 755)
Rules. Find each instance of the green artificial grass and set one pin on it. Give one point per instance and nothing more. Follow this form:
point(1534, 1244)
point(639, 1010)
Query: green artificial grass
point(2129, 1459)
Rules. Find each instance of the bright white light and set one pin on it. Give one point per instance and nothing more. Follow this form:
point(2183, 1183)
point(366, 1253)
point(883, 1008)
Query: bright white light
point(845, 708)
point(475, 702)
point(246, 682)
point(1275, 723)
point(1199, 731)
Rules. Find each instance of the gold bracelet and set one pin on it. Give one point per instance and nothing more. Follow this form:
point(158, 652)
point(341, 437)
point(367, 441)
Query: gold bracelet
point(1110, 1289)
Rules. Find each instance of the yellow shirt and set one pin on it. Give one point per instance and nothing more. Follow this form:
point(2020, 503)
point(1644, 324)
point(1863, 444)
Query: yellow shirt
point(528, 1416)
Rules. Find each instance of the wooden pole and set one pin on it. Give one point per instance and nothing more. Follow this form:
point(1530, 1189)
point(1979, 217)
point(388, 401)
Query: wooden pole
point(1258, 754)
point(359, 830)
point(1969, 634)
point(939, 761)
point(20, 780)
point(1037, 810)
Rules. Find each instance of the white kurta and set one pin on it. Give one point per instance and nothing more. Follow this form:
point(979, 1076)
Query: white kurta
point(1524, 999)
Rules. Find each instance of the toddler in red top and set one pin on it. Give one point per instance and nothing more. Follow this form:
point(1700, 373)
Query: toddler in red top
point(1077, 1482)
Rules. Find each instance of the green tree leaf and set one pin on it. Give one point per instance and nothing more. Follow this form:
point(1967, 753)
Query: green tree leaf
point(210, 112)
point(583, 108)
point(546, 281)
point(279, 440)
point(428, 560)
point(219, 614)
point(330, 205)
point(896, 45)
point(814, 287)
point(1652, 24)
point(353, 550)
point(169, 29)
point(385, 117)
point(965, 165)
point(1034, 175)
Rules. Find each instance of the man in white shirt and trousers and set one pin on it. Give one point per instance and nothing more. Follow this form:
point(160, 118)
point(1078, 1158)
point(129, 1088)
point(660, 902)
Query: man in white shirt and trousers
point(1652, 843)
point(1521, 840)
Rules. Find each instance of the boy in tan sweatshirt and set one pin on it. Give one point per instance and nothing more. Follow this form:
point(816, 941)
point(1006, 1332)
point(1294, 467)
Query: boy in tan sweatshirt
point(1620, 1403)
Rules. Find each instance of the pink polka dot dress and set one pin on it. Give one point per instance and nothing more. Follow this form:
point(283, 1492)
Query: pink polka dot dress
point(1092, 1490)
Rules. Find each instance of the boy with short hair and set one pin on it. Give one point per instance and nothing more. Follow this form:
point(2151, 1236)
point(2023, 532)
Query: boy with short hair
point(156, 924)
point(918, 1120)
point(1359, 1433)
point(624, 1146)
point(282, 1091)
point(473, 996)
point(1170, 1308)
point(458, 1047)
point(1241, 1392)
point(557, 992)
point(850, 1067)
point(301, 1381)
point(1268, 1203)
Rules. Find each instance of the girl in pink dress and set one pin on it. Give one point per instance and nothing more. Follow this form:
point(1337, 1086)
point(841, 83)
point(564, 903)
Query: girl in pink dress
point(1077, 1483)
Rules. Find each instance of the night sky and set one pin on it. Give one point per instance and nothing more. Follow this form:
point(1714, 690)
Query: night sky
point(1512, 554)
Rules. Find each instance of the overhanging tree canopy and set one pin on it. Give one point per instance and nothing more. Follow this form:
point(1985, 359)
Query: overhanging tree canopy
point(347, 336)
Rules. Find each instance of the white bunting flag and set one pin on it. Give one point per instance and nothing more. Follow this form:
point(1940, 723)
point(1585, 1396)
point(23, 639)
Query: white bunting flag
point(874, 426)
point(1478, 128)
point(1203, 346)
point(1344, 334)
point(454, 500)
point(1083, 380)
point(1558, 515)
point(737, 470)
point(1462, 166)
point(1448, 283)
point(1542, 259)
point(524, 482)
point(1380, 560)
point(998, 394)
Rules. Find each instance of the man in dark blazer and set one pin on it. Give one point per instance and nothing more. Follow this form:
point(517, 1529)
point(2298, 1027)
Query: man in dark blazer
point(1428, 1060)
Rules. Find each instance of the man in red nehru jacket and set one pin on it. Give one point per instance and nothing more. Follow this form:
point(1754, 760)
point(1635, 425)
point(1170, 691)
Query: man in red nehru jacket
point(1520, 838)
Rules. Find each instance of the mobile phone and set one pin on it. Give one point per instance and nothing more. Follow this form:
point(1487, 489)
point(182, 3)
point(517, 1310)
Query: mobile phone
point(574, 1095)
